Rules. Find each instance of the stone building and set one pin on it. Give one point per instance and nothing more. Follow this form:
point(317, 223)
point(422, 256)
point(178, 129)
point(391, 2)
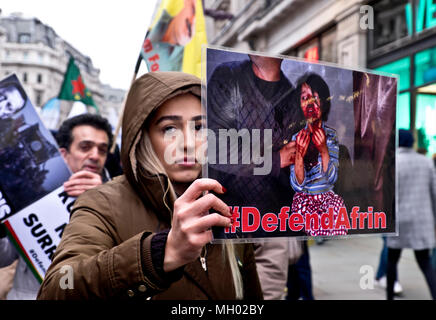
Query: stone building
point(39, 57)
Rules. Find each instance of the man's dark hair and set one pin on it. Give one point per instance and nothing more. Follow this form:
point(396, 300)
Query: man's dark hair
point(317, 84)
point(64, 136)
point(405, 138)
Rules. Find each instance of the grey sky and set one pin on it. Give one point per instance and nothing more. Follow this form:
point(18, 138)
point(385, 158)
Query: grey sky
point(110, 32)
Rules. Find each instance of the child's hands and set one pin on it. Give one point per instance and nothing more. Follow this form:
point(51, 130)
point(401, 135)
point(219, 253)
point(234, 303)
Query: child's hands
point(303, 140)
point(287, 154)
point(319, 139)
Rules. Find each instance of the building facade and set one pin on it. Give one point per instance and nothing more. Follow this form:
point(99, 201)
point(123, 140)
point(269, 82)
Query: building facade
point(39, 57)
point(394, 36)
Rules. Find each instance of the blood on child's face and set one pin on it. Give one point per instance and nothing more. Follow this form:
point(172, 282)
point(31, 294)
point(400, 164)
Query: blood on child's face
point(310, 103)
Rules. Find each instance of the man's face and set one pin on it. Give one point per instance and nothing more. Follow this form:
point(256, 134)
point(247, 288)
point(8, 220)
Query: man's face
point(88, 151)
point(10, 101)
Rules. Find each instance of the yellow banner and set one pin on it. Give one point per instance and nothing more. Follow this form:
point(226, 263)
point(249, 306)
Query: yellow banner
point(175, 37)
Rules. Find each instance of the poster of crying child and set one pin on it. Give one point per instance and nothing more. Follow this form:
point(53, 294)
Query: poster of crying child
point(302, 149)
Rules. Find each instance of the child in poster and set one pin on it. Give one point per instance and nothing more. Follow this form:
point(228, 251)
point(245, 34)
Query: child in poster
point(317, 158)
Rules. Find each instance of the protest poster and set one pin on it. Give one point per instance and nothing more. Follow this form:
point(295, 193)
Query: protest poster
point(174, 39)
point(303, 149)
point(31, 172)
point(37, 229)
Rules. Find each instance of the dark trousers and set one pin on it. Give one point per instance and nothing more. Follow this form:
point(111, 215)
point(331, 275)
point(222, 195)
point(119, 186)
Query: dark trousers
point(422, 258)
point(300, 278)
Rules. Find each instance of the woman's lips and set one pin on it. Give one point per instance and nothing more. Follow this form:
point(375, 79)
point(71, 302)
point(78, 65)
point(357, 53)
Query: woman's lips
point(186, 162)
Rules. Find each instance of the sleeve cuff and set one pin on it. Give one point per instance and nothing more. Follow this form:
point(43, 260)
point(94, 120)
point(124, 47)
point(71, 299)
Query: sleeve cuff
point(153, 253)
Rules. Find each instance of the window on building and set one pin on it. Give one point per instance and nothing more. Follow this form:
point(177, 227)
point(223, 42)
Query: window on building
point(38, 97)
point(400, 67)
point(390, 22)
point(321, 47)
point(403, 111)
point(328, 46)
point(425, 124)
point(39, 78)
point(397, 21)
point(24, 38)
point(416, 105)
point(309, 50)
point(425, 66)
point(25, 77)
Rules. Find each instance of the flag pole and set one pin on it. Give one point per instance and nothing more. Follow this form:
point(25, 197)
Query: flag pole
point(120, 119)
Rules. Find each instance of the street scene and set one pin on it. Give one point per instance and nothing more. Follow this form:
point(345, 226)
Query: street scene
point(156, 150)
point(336, 270)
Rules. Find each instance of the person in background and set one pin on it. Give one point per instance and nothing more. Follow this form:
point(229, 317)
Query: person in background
point(148, 231)
point(299, 284)
point(83, 142)
point(380, 277)
point(416, 213)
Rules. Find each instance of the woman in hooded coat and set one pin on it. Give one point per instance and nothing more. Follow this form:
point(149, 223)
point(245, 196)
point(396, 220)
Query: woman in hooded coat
point(145, 234)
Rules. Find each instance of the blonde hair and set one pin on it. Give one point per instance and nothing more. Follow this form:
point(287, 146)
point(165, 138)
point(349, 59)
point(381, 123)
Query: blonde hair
point(148, 160)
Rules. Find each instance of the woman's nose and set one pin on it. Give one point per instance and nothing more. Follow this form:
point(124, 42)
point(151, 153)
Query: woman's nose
point(189, 138)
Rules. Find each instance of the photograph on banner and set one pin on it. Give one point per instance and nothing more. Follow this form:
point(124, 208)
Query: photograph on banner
point(173, 42)
point(302, 149)
point(31, 165)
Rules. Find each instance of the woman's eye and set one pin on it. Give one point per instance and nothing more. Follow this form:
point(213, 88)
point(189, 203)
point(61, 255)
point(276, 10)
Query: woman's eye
point(198, 127)
point(169, 129)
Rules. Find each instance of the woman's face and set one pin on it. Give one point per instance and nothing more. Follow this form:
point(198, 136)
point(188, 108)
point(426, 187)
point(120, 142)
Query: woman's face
point(310, 103)
point(176, 135)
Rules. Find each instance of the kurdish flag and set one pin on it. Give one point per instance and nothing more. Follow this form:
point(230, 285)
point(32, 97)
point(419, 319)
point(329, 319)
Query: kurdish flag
point(174, 40)
point(73, 88)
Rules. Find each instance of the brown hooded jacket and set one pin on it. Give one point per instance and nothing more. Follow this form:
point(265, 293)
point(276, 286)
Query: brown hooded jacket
point(108, 242)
